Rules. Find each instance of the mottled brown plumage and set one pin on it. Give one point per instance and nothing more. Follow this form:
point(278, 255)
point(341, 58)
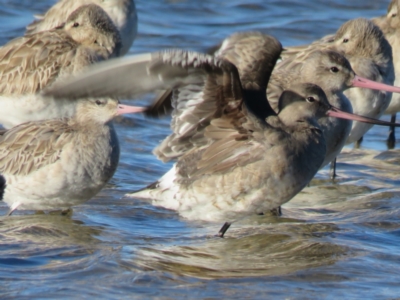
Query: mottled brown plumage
point(390, 26)
point(333, 73)
point(235, 155)
point(122, 13)
point(58, 163)
point(370, 56)
point(30, 63)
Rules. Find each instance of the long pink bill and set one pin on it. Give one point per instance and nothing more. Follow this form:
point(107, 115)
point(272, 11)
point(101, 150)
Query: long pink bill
point(126, 109)
point(366, 83)
point(337, 113)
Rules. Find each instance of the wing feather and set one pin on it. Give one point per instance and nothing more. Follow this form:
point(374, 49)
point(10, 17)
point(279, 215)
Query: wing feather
point(26, 148)
point(211, 116)
point(28, 64)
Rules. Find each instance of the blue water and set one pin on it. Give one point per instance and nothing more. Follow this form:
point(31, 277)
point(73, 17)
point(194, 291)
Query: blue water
point(333, 240)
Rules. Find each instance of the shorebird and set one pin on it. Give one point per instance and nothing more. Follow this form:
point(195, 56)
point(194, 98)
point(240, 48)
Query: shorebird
point(390, 25)
point(235, 155)
point(332, 72)
point(59, 163)
point(370, 56)
point(122, 13)
point(30, 63)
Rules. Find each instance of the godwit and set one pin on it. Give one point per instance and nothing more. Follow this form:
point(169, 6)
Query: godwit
point(59, 163)
point(30, 63)
point(122, 13)
point(235, 155)
point(390, 25)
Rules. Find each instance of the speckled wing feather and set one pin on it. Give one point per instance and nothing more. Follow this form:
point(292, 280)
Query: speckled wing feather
point(27, 147)
point(250, 53)
point(29, 63)
point(219, 144)
point(209, 123)
point(212, 131)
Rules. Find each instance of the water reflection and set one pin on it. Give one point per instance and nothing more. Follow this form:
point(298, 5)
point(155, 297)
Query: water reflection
point(48, 241)
point(314, 231)
point(257, 251)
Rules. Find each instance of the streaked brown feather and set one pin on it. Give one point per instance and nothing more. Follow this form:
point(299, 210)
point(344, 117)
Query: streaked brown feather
point(32, 147)
point(26, 66)
point(227, 134)
point(223, 122)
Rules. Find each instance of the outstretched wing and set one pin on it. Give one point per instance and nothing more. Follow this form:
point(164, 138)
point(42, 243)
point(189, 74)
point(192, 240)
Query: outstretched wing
point(212, 126)
point(136, 75)
point(29, 147)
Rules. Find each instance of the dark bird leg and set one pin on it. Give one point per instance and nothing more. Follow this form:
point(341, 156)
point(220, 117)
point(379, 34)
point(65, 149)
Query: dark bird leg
point(333, 169)
point(224, 229)
point(357, 144)
point(2, 189)
point(66, 212)
point(277, 211)
point(391, 141)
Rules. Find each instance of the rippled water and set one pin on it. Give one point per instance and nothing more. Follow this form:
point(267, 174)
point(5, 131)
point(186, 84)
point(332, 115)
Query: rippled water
point(333, 240)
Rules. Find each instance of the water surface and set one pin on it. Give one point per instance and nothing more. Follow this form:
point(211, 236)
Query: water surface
point(333, 240)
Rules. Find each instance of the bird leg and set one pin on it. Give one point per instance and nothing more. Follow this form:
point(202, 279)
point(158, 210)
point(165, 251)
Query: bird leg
point(333, 169)
point(224, 229)
point(66, 212)
point(12, 208)
point(391, 141)
point(357, 144)
point(277, 211)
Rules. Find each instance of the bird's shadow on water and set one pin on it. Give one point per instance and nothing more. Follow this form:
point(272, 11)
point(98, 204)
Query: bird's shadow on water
point(258, 246)
point(44, 241)
point(317, 229)
point(313, 232)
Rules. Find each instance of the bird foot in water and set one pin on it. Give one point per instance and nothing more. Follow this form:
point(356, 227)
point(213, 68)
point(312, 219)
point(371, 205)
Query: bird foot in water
point(276, 212)
point(391, 141)
point(66, 212)
point(223, 229)
point(333, 170)
point(357, 144)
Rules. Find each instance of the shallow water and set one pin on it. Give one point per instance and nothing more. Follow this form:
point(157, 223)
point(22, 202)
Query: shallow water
point(333, 240)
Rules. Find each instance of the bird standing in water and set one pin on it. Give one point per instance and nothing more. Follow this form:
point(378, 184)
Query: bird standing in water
point(235, 155)
point(59, 163)
point(370, 56)
point(390, 26)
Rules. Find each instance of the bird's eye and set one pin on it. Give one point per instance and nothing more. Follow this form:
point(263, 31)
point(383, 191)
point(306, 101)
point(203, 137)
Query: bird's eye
point(334, 69)
point(95, 41)
point(345, 40)
point(394, 15)
point(98, 102)
point(76, 24)
point(310, 99)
